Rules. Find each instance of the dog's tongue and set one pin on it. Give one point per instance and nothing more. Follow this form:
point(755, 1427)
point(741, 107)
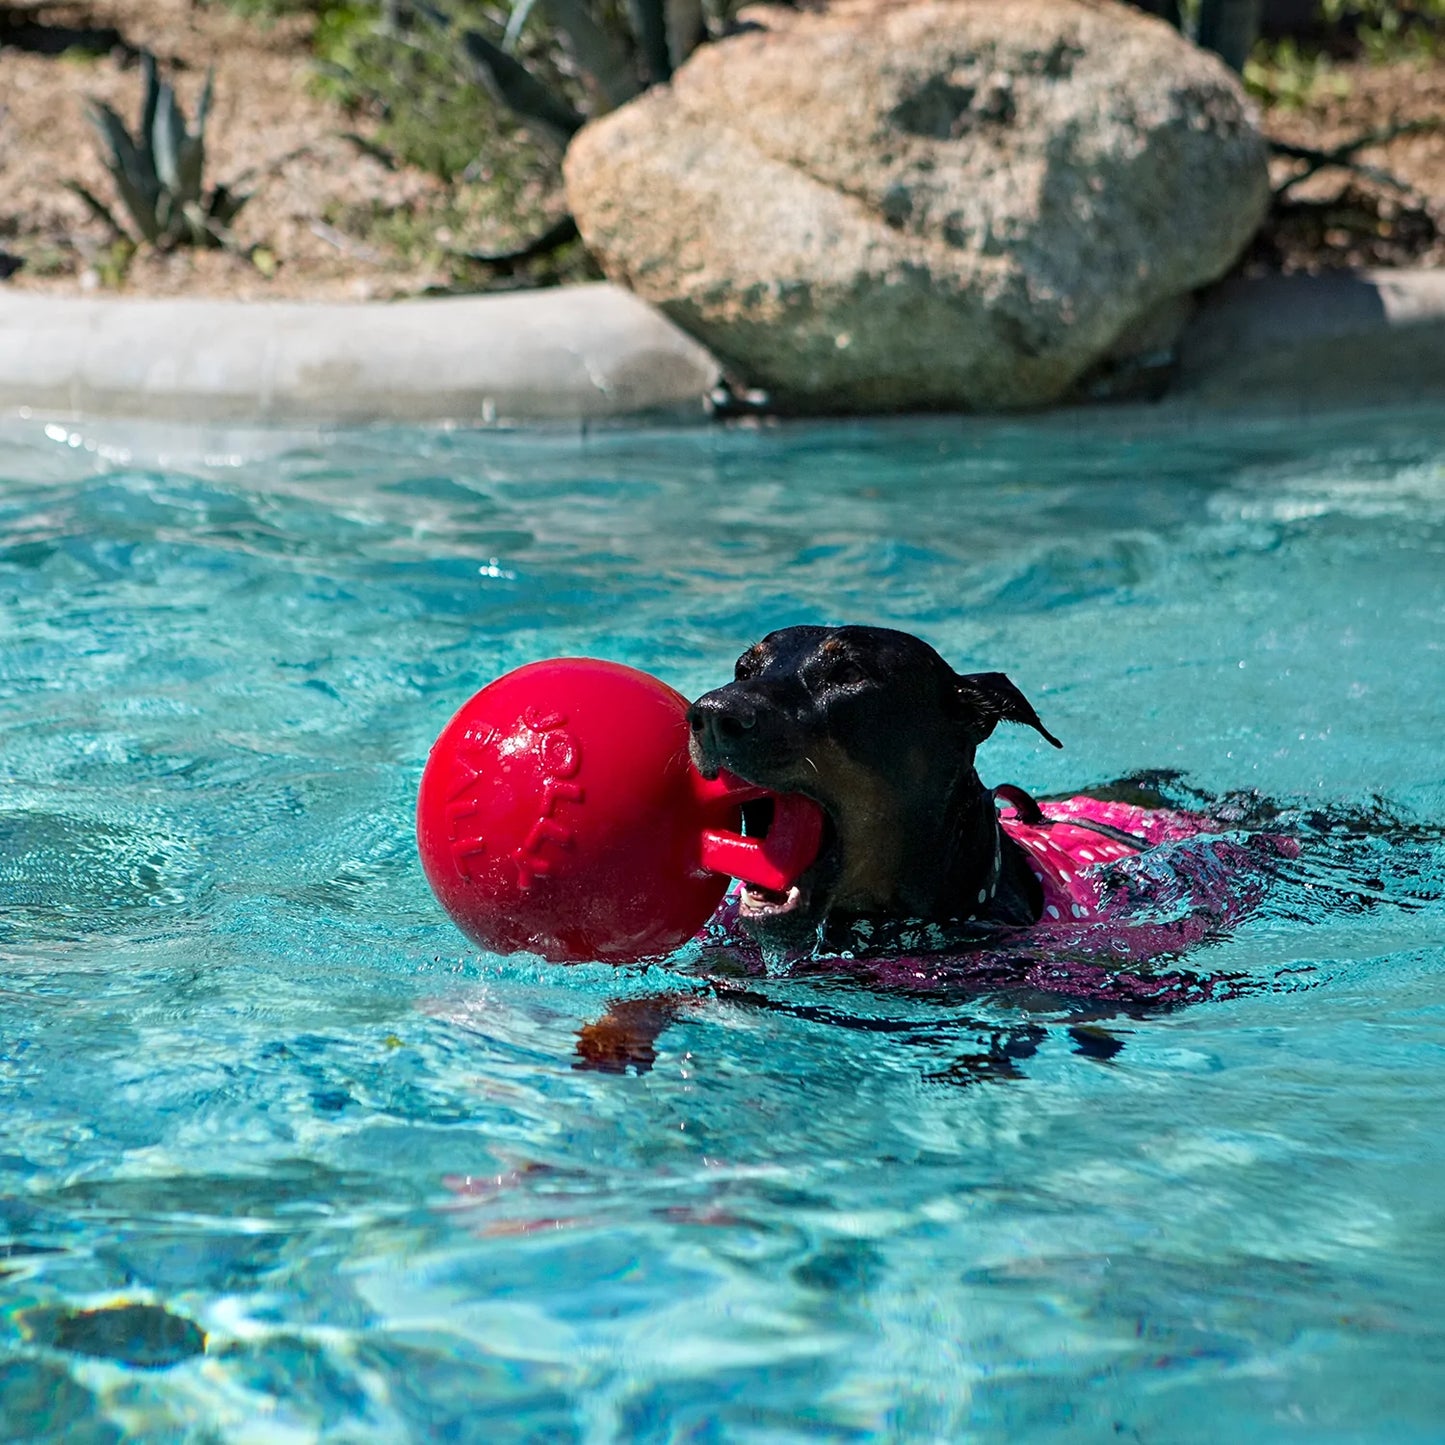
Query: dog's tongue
point(778, 859)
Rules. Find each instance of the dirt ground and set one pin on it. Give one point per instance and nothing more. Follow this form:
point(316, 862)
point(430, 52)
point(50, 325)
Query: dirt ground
point(1342, 219)
point(309, 182)
point(317, 193)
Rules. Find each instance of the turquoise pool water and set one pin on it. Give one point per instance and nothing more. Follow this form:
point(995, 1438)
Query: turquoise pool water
point(283, 1159)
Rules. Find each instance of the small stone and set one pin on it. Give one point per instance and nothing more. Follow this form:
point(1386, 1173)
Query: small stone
point(144, 1335)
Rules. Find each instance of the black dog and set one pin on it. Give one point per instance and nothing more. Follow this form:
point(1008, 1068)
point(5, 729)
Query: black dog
point(875, 727)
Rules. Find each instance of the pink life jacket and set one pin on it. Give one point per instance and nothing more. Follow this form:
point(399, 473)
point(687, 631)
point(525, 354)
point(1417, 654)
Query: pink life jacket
point(1075, 836)
point(1124, 886)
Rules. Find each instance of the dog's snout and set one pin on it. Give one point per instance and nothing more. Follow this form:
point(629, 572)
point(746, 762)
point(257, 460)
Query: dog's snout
point(722, 716)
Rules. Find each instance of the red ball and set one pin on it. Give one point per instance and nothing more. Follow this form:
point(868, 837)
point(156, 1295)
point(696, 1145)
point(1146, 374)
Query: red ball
point(559, 814)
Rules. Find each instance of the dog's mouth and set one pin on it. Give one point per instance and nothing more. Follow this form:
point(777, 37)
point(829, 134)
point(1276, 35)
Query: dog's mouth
point(759, 904)
point(786, 905)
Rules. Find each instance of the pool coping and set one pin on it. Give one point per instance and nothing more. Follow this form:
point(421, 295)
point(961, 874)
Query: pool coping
point(594, 352)
point(564, 354)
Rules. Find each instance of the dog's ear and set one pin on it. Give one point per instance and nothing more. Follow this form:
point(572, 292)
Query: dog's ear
point(988, 698)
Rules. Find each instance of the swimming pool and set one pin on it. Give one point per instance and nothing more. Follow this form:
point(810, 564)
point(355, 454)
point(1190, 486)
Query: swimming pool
point(257, 1089)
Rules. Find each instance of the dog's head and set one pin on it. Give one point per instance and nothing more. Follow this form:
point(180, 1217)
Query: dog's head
point(874, 726)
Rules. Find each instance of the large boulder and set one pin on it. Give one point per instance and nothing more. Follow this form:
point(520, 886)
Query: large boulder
point(936, 203)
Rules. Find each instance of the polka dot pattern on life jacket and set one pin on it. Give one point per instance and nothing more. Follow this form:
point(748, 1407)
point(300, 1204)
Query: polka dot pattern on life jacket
point(1064, 850)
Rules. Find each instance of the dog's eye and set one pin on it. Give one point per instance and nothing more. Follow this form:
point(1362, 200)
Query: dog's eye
point(749, 664)
point(844, 671)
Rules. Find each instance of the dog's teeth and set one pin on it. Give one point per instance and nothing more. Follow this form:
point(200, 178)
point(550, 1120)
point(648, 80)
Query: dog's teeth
point(756, 902)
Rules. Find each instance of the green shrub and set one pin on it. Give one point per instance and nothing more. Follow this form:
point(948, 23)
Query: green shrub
point(486, 96)
point(1288, 74)
point(1295, 72)
point(1388, 30)
point(430, 111)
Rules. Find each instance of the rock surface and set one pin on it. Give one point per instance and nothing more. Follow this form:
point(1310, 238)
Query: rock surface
point(941, 203)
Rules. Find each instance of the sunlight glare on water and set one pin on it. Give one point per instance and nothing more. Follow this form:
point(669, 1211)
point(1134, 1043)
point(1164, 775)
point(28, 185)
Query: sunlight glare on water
point(257, 1086)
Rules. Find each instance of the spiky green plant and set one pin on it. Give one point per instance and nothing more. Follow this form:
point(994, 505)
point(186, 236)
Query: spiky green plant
point(617, 63)
point(158, 172)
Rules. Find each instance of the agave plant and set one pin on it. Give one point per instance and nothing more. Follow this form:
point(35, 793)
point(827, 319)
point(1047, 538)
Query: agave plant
point(616, 66)
point(157, 172)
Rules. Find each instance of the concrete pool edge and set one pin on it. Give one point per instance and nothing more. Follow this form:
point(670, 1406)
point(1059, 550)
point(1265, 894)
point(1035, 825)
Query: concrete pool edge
point(596, 352)
point(565, 354)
